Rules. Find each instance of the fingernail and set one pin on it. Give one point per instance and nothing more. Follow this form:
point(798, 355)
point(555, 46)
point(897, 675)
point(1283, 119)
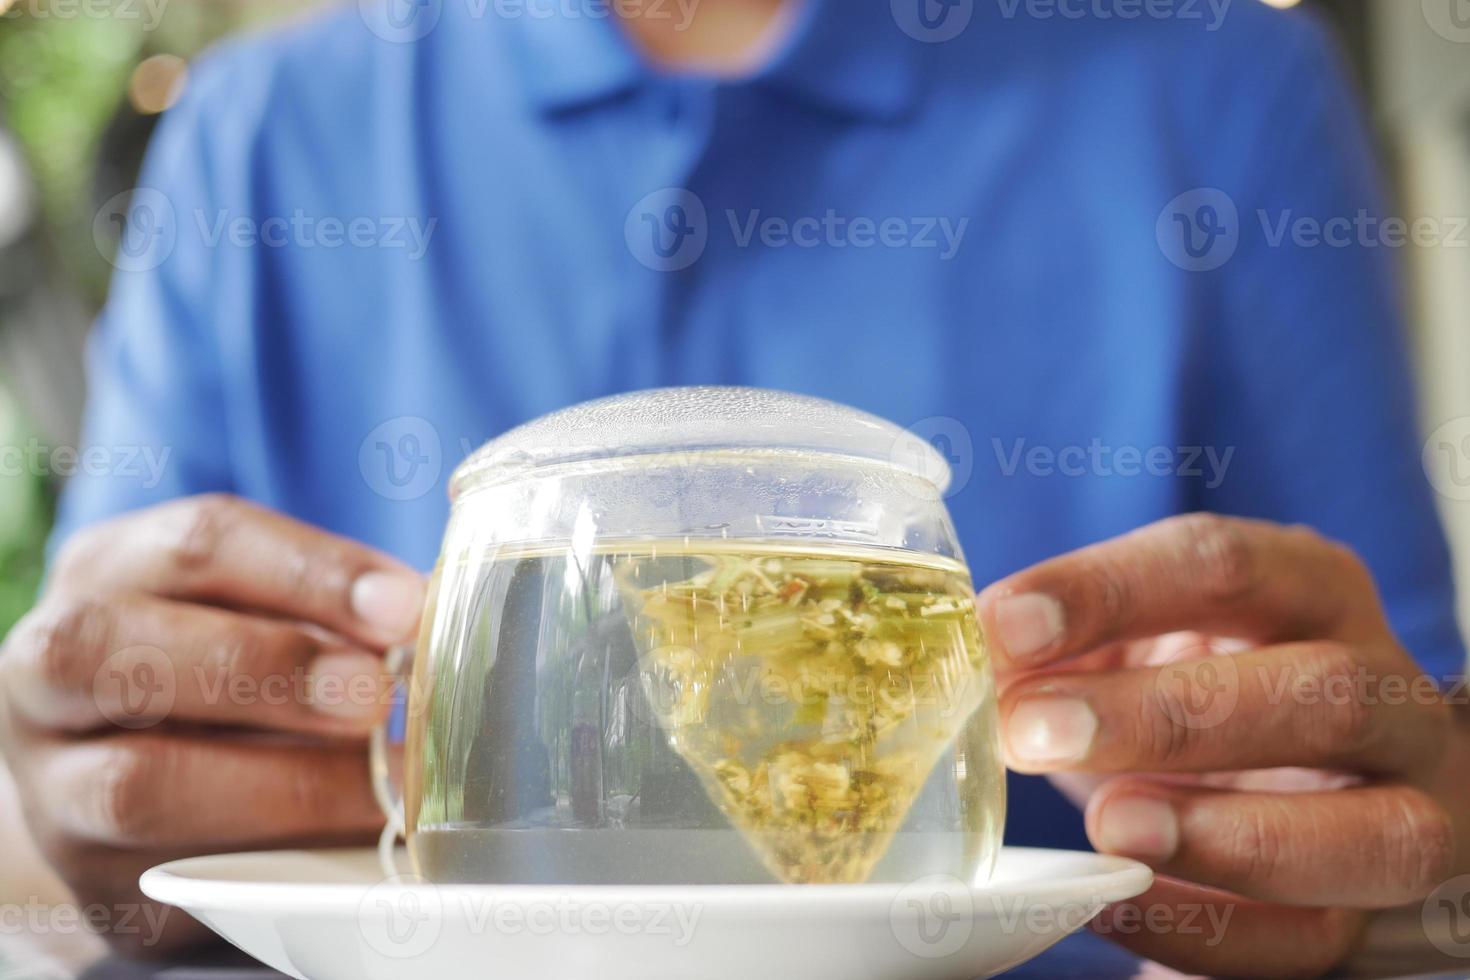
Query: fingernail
point(1139, 827)
point(390, 602)
point(347, 685)
point(1046, 730)
point(1027, 624)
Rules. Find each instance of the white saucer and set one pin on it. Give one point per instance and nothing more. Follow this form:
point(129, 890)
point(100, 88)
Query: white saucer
point(325, 915)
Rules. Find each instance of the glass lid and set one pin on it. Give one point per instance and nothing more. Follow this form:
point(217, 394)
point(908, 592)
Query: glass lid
point(708, 419)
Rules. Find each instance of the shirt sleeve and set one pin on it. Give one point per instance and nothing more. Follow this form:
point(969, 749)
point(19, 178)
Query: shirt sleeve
point(1304, 377)
point(155, 423)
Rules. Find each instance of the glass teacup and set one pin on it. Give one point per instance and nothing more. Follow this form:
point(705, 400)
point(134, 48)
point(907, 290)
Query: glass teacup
point(701, 636)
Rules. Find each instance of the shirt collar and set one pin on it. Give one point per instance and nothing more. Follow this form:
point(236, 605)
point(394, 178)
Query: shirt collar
point(574, 54)
point(849, 57)
point(846, 57)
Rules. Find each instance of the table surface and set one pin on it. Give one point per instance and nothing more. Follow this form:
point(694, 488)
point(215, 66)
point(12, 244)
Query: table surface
point(1075, 958)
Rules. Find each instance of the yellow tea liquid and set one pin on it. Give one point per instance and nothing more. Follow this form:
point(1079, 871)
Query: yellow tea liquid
point(821, 703)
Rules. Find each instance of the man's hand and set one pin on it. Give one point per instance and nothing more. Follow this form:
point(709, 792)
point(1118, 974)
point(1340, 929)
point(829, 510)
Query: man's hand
point(198, 677)
point(1119, 681)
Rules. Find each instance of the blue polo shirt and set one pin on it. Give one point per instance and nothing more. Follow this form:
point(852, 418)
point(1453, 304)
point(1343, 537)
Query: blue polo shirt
point(1064, 241)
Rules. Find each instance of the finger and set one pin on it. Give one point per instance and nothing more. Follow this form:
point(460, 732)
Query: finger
point(1311, 704)
point(226, 551)
point(1370, 847)
point(148, 791)
point(134, 661)
point(1202, 931)
point(1228, 576)
point(1111, 657)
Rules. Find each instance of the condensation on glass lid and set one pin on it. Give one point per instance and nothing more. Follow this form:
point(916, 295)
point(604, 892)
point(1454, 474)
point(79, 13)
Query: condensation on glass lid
point(706, 419)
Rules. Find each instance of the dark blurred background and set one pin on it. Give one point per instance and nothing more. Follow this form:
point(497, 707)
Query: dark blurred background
point(82, 84)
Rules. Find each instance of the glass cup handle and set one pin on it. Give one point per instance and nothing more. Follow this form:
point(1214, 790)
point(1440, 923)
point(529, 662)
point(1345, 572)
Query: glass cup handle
point(387, 738)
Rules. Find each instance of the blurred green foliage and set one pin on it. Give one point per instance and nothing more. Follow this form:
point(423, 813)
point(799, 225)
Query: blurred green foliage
point(60, 82)
point(26, 508)
point(64, 77)
point(64, 73)
point(25, 516)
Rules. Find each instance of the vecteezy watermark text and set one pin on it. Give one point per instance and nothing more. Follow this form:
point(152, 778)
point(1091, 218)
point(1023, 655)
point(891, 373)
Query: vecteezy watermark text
point(834, 230)
point(934, 917)
point(669, 230)
point(136, 687)
point(1361, 686)
point(1206, 463)
point(1211, 13)
point(1207, 921)
point(149, 12)
point(1363, 230)
point(1202, 229)
point(303, 230)
point(402, 917)
point(937, 693)
point(681, 12)
point(139, 230)
point(145, 464)
point(34, 917)
point(407, 21)
point(565, 916)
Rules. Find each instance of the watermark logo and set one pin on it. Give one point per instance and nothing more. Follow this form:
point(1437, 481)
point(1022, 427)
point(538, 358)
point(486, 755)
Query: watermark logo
point(933, 21)
point(401, 917)
point(1446, 459)
point(401, 21)
point(1199, 231)
point(135, 687)
point(654, 695)
point(668, 230)
point(1446, 917)
point(950, 438)
point(402, 458)
point(1450, 19)
point(1198, 693)
point(136, 230)
point(933, 917)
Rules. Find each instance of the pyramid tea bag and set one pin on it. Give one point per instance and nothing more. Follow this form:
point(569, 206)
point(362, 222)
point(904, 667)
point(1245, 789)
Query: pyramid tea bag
point(812, 692)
